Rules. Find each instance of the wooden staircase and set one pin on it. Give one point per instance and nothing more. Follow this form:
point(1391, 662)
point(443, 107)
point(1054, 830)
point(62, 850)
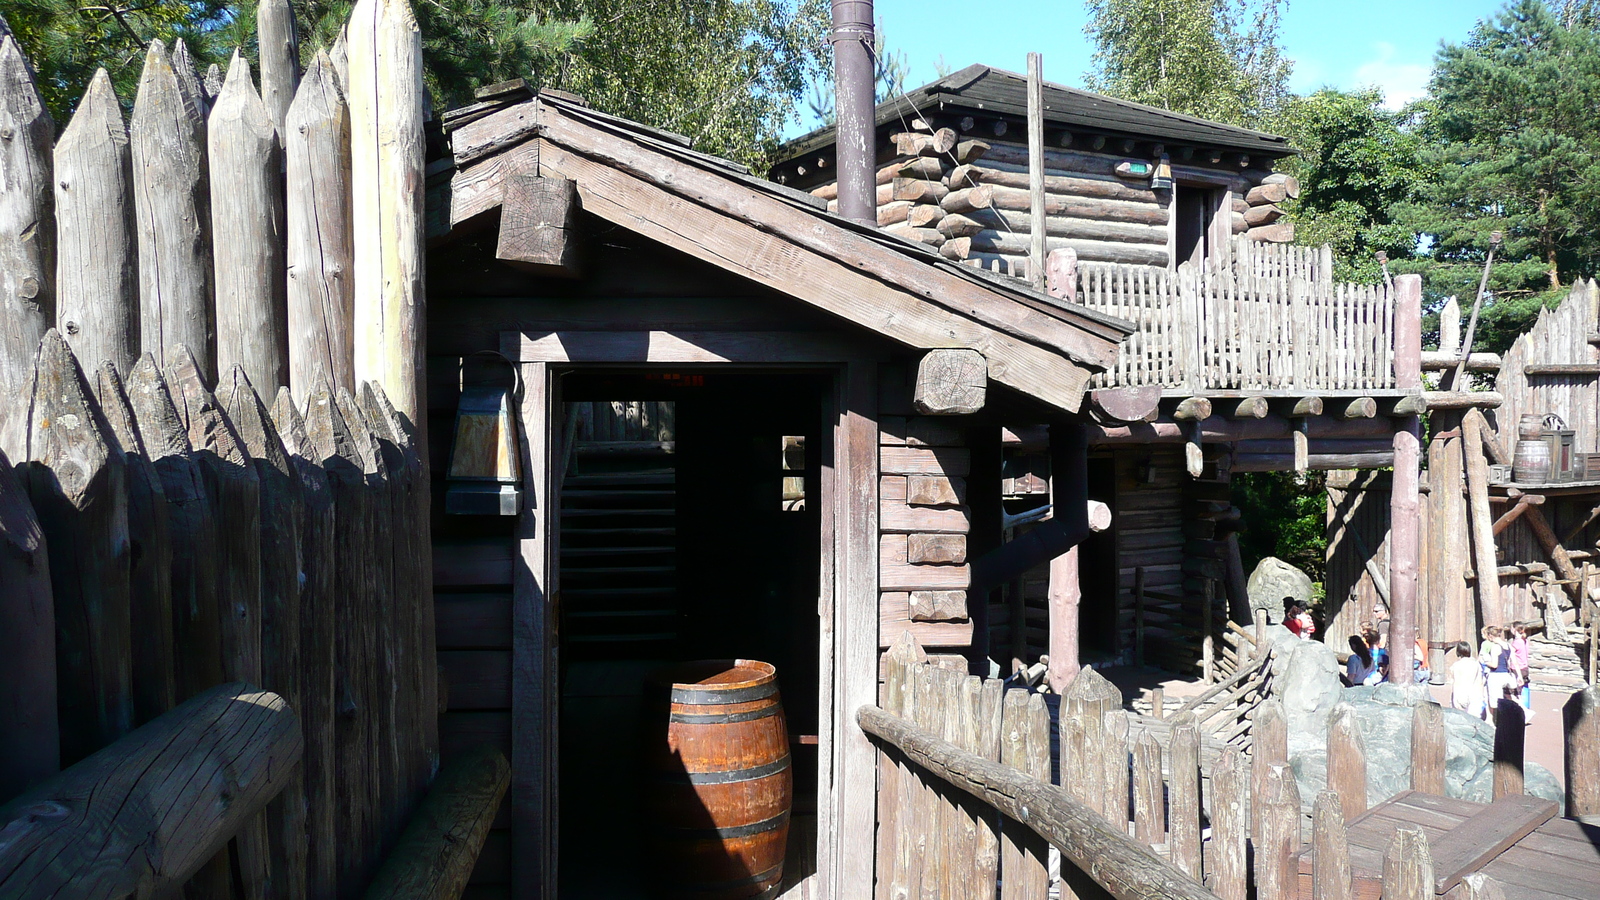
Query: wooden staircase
point(619, 581)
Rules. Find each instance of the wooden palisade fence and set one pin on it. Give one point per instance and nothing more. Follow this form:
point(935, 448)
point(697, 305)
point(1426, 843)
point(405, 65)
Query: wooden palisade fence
point(215, 557)
point(1145, 809)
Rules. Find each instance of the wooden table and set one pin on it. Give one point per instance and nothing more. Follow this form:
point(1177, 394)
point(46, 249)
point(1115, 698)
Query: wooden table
point(1518, 841)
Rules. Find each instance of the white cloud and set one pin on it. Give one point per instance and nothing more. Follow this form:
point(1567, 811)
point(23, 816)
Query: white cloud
point(1401, 82)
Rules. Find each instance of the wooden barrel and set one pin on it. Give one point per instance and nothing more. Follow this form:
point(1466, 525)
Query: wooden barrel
point(721, 784)
point(1531, 465)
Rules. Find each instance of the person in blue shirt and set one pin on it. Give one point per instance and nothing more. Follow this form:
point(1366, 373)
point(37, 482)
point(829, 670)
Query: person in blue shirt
point(1361, 666)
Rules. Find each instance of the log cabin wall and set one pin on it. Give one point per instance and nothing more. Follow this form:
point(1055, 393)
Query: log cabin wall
point(1148, 516)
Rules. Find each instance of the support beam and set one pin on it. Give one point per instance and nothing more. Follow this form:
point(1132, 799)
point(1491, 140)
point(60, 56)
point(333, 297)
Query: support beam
point(1557, 553)
point(1477, 469)
point(1118, 406)
point(1249, 408)
point(1462, 399)
point(950, 383)
point(1192, 408)
point(537, 225)
point(1359, 408)
point(1405, 534)
point(1219, 430)
point(1522, 504)
point(1292, 407)
point(1069, 486)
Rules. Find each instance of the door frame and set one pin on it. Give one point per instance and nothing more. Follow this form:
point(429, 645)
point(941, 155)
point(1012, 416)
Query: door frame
point(847, 593)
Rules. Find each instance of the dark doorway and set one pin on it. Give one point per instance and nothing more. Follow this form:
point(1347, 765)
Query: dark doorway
point(1196, 210)
point(1098, 572)
point(699, 542)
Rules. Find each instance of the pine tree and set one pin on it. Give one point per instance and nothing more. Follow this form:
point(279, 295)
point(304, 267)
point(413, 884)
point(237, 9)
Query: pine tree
point(1216, 59)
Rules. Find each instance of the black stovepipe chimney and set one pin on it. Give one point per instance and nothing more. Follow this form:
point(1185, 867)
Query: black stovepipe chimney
point(853, 76)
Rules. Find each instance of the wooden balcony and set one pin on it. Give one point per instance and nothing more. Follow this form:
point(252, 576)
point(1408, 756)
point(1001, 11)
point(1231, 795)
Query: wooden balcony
point(1266, 319)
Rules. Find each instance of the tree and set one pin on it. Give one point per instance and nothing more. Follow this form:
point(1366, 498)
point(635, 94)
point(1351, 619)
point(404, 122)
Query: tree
point(1513, 145)
point(1216, 59)
point(1358, 162)
point(889, 79)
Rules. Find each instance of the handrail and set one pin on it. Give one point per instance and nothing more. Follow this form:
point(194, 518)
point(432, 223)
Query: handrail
point(1244, 672)
point(141, 816)
point(1127, 869)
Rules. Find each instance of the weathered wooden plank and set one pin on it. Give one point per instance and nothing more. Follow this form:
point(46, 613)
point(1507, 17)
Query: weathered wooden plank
point(247, 233)
point(932, 461)
point(1581, 722)
point(1330, 874)
point(387, 182)
point(97, 290)
point(435, 855)
point(27, 234)
point(1183, 825)
point(537, 221)
point(172, 204)
point(935, 490)
point(900, 517)
point(149, 555)
point(895, 619)
point(1427, 748)
point(1347, 762)
point(146, 813)
point(1485, 835)
point(1230, 826)
point(1408, 866)
point(278, 46)
point(282, 512)
point(30, 745)
point(316, 144)
point(197, 89)
point(1275, 866)
point(77, 489)
point(196, 616)
point(319, 555)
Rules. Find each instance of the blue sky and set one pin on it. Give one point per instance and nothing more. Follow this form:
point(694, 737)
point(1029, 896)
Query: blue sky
point(1343, 43)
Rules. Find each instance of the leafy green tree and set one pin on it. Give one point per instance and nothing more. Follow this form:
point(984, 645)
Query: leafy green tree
point(889, 81)
point(1217, 59)
point(1358, 162)
point(1513, 145)
point(1287, 516)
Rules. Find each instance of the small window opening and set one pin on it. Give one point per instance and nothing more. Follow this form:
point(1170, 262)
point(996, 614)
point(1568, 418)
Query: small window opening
point(794, 472)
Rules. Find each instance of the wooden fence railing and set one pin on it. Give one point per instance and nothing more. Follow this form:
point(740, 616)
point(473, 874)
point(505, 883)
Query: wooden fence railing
point(1268, 317)
point(172, 540)
point(1143, 808)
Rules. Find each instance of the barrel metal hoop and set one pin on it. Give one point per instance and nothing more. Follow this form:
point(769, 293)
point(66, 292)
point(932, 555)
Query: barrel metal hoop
point(732, 831)
point(694, 697)
point(729, 777)
point(708, 886)
point(749, 715)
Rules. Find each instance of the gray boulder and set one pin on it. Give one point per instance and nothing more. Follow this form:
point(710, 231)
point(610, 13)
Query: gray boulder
point(1383, 715)
point(1305, 680)
point(1275, 581)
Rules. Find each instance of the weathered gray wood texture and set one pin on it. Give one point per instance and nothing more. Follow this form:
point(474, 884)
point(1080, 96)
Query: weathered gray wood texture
point(27, 231)
point(30, 747)
point(97, 289)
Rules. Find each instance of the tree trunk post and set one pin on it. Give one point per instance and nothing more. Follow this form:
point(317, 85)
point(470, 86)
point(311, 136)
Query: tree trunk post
point(27, 235)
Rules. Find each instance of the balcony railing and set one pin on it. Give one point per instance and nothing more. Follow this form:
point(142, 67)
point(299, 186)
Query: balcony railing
point(1265, 318)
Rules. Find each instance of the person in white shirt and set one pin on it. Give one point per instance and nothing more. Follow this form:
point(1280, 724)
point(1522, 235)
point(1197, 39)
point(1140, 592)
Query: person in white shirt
point(1468, 690)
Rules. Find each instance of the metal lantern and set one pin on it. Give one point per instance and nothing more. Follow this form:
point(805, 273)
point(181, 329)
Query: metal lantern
point(1162, 179)
point(485, 474)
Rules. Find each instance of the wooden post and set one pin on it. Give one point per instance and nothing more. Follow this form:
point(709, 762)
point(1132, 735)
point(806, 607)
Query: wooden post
point(149, 555)
point(900, 656)
point(77, 489)
point(1027, 748)
point(30, 745)
point(1068, 490)
point(1408, 866)
point(196, 618)
point(1404, 499)
point(1509, 733)
point(97, 272)
point(1183, 826)
point(282, 510)
point(332, 445)
point(1330, 844)
point(1230, 826)
point(1581, 721)
point(1261, 648)
point(172, 202)
point(1347, 762)
point(538, 225)
point(1269, 747)
point(986, 723)
point(1427, 748)
point(1114, 754)
point(320, 253)
point(1557, 553)
point(189, 80)
point(1061, 273)
point(1276, 873)
point(1477, 469)
point(1036, 232)
point(1138, 617)
point(950, 383)
point(279, 47)
point(386, 112)
point(1449, 549)
point(1149, 825)
point(247, 233)
point(436, 854)
point(27, 233)
point(318, 555)
point(235, 494)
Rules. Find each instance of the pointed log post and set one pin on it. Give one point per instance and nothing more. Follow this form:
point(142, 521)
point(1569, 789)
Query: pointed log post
point(281, 512)
point(339, 55)
point(386, 112)
point(1408, 866)
point(1330, 842)
point(235, 493)
point(1230, 826)
point(1509, 734)
point(27, 233)
point(1427, 748)
point(333, 446)
point(1270, 746)
point(1347, 762)
point(150, 556)
point(30, 744)
point(1183, 827)
point(172, 200)
point(317, 560)
point(320, 258)
point(97, 284)
point(279, 47)
point(211, 84)
point(1069, 484)
point(247, 228)
point(197, 626)
point(1580, 718)
point(189, 81)
point(77, 486)
point(1276, 873)
point(1405, 536)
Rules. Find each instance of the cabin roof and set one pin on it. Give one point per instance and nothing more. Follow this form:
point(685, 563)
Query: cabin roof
point(984, 89)
point(652, 182)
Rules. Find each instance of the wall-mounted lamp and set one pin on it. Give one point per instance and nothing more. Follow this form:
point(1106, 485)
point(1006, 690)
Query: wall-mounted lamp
point(1161, 180)
point(485, 474)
